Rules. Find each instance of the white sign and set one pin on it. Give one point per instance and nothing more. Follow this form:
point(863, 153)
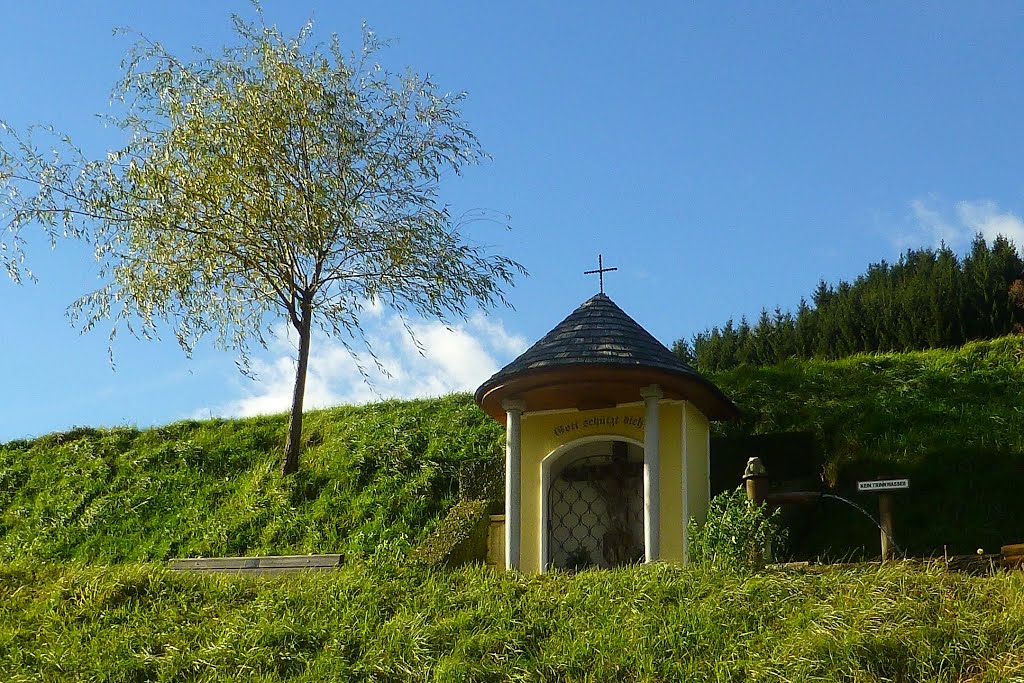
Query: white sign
point(883, 485)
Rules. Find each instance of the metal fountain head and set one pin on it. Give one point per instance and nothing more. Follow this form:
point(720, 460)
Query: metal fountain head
point(755, 469)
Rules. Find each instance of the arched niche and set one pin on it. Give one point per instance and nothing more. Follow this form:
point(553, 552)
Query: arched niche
point(593, 503)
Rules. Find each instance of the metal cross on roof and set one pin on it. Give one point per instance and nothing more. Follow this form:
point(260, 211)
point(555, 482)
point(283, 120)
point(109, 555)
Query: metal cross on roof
point(601, 270)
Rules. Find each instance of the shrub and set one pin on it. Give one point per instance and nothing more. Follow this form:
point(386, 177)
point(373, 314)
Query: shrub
point(736, 534)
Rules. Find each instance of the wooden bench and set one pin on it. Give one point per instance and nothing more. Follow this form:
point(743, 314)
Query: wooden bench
point(269, 564)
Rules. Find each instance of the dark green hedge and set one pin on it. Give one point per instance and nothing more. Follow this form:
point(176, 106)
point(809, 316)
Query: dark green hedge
point(460, 538)
point(483, 479)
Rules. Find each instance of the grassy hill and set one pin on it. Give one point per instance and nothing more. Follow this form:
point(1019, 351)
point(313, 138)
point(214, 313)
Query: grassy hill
point(375, 479)
point(87, 516)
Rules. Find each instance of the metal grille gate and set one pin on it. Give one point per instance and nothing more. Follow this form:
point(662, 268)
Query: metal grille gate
point(596, 512)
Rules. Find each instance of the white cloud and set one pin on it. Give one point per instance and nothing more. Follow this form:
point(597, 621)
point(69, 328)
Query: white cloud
point(985, 217)
point(931, 224)
point(509, 344)
point(442, 359)
point(932, 227)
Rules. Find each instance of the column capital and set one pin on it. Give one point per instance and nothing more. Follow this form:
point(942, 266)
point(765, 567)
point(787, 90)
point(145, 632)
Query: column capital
point(652, 392)
point(513, 405)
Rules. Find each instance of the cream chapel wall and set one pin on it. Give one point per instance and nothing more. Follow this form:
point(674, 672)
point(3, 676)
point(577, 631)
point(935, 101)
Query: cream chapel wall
point(543, 434)
point(548, 436)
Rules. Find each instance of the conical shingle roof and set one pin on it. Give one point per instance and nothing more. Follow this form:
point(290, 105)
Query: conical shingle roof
point(597, 333)
point(606, 356)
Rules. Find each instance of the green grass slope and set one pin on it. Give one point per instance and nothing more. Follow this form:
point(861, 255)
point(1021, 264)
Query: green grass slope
point(371, 623)
point(950, 420)
point(373, 479)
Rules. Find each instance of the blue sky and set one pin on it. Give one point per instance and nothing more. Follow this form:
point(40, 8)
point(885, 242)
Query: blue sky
point(725, 157)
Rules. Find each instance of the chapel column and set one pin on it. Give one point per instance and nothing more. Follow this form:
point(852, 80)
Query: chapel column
point(652, 473)
point(513, 479)
point(685, 452)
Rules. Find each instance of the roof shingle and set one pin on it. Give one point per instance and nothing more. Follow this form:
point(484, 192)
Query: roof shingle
point(596, 333)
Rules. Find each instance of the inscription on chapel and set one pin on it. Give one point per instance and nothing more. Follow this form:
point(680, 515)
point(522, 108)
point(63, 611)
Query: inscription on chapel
point(599, 421)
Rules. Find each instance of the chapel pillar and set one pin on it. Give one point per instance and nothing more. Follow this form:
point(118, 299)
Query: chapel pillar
point(513, 479)
point(652, 473)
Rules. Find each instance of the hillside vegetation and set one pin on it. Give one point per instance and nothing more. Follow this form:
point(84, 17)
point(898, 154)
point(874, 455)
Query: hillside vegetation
point(374, 623)
point(374, 479)
point(929, 298)
point(87, 516)
point(950, 420)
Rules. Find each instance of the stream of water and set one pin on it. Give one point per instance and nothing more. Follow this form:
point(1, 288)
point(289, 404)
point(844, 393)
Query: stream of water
point(868, 515)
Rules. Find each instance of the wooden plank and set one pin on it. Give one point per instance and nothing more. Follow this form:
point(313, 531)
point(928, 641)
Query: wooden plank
point(251, 564)
point(263, 571)
point(208, 563)
point(300, 561)
point(1013, 561)
point(1013, 549)
point(973, 564)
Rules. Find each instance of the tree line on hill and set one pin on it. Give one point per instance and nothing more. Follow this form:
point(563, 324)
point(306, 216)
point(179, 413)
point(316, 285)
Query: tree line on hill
point(930, 298)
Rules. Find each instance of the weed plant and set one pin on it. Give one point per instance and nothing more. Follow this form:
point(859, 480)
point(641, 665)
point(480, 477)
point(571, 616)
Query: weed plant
point(737, 535)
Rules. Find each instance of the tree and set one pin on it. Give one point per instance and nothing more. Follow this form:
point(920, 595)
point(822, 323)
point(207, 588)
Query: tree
point(683, 350)
point(1016, 297)
point(278, 179)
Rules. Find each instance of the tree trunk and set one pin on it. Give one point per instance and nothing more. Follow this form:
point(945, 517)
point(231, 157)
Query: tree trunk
point(291, 447)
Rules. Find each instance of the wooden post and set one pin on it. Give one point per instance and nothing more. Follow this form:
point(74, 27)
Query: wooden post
point(884, 488)
point(885, 521)
point(756, 477)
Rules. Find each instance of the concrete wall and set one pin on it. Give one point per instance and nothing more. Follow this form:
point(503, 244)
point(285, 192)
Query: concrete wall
point(496, 542)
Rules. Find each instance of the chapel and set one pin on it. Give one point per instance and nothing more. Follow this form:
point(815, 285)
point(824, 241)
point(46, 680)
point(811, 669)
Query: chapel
point(608, 444)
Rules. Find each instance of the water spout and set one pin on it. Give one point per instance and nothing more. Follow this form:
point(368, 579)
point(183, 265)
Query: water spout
point(868, 515)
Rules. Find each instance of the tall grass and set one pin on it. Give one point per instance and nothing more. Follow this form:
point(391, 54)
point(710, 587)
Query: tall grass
point(654, 623)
